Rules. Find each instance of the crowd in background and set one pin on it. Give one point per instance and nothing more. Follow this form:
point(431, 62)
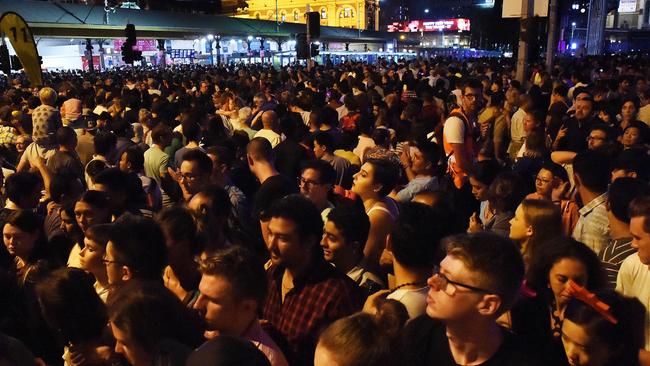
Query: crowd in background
point(420, 212)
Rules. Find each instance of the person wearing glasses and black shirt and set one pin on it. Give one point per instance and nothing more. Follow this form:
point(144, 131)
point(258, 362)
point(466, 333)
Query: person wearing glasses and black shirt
point(477, 281)
point(316, 181)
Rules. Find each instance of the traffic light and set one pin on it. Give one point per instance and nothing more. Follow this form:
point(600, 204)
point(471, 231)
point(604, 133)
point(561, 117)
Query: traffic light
point(302, 47)
point(5, 65)
point(314, 49)
point(313, 25)
point(128, 54)
point(15, 63)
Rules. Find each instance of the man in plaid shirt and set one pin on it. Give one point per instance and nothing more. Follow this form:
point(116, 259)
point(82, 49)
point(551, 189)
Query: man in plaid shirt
point(306, 293)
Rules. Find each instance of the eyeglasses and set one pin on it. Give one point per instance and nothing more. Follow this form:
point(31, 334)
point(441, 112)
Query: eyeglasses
point(542, 181)
point(589, 138)
point(188, 177)
point(442, 282)
point(107, 262)
point(471, 96)
point(306, 182)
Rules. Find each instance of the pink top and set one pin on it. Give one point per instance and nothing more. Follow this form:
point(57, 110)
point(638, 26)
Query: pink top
point(71, 109)
point(264, 343)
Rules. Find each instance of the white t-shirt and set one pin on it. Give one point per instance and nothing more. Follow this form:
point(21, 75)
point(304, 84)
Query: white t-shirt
point(454, 130)
point(415, 300)
point(634, 281)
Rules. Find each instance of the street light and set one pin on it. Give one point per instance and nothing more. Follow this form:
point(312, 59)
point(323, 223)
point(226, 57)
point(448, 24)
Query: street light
point(426, 11)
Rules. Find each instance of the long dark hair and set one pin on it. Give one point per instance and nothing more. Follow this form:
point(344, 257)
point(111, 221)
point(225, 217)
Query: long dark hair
point(554, 250)
point(70, 304)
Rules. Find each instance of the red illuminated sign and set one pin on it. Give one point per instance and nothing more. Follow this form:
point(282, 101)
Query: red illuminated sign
point(457, 24)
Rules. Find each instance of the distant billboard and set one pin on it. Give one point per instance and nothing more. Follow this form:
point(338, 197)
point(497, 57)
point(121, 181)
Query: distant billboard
point(512, 8)
point(627, 6)
point(456, 24)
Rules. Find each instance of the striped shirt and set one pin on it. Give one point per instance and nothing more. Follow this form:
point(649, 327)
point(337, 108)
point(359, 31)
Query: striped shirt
point(592, 227)
point(612, 256)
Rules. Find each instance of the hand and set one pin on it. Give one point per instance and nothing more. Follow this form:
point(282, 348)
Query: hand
point(562, 133)
point(176, 176)
point(560, 192)
point(369, 305)
point(475, 224)
point(405, 157)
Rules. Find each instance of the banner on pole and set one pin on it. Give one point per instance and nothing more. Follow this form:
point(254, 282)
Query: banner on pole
point(14, 27)
point(512, 8)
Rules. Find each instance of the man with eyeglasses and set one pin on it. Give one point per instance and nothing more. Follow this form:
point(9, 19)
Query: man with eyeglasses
point(315, 182)
point(194, 174)
point(135, 250)
point(459, 142)
point(477, 281)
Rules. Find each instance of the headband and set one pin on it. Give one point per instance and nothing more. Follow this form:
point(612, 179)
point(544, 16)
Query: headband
point(592, 300)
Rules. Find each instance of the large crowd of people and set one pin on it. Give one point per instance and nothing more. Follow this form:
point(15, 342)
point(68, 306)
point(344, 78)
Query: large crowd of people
point(419, 212)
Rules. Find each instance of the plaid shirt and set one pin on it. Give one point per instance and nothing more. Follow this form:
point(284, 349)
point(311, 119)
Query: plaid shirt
point(592, 228)
point(7, 135)
point(318, 298)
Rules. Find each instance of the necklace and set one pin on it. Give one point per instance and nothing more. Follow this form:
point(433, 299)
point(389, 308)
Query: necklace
point(418, 283)
point(556, 320)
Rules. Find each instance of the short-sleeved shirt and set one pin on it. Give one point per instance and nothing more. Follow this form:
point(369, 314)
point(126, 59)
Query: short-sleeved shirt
point(415, 186)
point(273, 188)
point(319, 297)
point(155, 163)
point(45, 120)
point(64, 162)
point(634, 281)
point(592, 227)
point(454, 130)
point(424, 341)
point(612, 256)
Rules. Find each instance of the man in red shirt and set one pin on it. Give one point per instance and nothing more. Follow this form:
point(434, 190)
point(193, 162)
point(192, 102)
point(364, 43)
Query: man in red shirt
point(306, 293)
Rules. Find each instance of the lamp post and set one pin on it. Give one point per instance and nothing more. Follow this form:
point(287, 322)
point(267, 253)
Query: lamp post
point(218, 47)
point(249, 39)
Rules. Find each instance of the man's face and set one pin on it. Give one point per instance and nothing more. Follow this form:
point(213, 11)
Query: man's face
point(218, 307)
point(333, 243)
point(312, 187)
point(453, 302)
point(319, 150)
point(113, 268)
point(284, 243)
point(596, 139)
point(472, 99)
point(192, 180)
point(131, 350)
point(419, 162)
point(584, 109)
point(87, 215)
point(640, 239)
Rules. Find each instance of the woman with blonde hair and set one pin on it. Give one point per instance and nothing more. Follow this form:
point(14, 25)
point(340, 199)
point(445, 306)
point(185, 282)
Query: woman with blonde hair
point(535, 222)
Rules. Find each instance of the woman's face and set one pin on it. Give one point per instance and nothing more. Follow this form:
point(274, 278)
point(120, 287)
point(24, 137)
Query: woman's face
point(581, 347)
point(19, 243)
point(91, 256)
point(479, 190)
point(628, 111)
point(363, 183)
point(631, 137)
point(520, 230)
point(561, 272)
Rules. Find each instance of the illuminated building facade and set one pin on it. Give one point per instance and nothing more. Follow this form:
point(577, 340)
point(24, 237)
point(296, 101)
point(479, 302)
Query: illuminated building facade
point(361, 14)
